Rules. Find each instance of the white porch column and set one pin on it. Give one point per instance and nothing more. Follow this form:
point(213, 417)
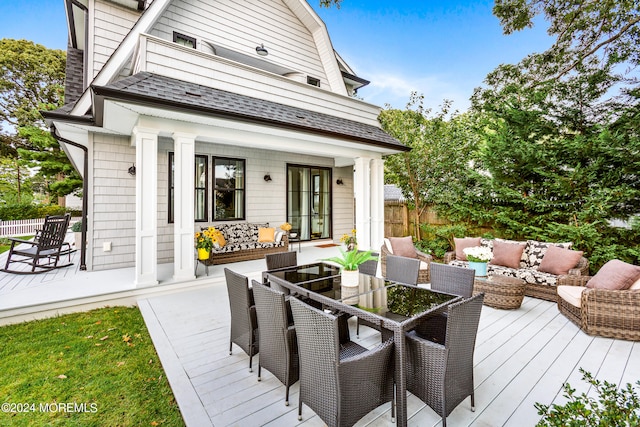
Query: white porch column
point(377, 203)
point(183, 206)
point(146, 143)
point(362, 193)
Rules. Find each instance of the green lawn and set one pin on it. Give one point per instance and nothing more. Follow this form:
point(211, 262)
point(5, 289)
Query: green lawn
point(97, 368)
point(5, 243)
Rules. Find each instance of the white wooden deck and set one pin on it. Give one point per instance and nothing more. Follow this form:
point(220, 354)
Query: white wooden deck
point(522, 356)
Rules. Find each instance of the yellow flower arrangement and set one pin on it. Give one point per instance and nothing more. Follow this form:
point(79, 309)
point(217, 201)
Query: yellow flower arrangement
point(285, 227)
point(207, 238)
point(349, 239)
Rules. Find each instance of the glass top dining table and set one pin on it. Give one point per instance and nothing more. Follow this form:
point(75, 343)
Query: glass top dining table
point(393, 306)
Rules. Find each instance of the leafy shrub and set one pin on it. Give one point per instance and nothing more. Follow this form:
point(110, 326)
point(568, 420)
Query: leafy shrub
point(28, 211)
point(613, 408)
point(77, 226)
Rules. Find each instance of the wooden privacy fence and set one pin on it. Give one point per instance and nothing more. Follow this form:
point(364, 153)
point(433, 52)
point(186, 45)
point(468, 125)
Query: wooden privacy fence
point(399, 221)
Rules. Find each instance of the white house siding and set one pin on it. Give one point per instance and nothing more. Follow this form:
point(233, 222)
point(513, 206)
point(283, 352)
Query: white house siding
point(169, 59)
point(110, 24)
point(243, 25)
point(112, 204)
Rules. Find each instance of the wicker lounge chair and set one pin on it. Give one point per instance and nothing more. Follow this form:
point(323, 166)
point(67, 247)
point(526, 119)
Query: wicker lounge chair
point(44, 251)
point(440, 362)
point(277, 340)
point(244, 323)
point(452, 280)
point(604, 312)
point(341, 383)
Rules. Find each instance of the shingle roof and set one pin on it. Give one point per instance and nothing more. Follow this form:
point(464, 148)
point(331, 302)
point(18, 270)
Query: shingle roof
point(153, 89)
point(73, 75)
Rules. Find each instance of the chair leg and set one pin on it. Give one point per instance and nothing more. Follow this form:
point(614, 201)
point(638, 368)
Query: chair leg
point(259, 372)
point(299, 406)
point(286, 396)
point(473, 403)
point(250, 362)
point(230, 347)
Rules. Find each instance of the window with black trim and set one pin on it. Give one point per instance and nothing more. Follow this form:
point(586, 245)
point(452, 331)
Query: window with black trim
point(184, 40)
point(201, 188)
point(228, 189)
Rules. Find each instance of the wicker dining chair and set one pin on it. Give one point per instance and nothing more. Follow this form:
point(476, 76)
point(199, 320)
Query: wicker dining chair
point(277, 339)
point(402, 269)
point(244, 323)
point(281, 260)
point(440, 364)
point(340, 382)
point(369, 267)
point(452, 280)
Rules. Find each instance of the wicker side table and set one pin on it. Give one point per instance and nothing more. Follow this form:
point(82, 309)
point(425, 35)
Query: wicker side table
point(500, 291)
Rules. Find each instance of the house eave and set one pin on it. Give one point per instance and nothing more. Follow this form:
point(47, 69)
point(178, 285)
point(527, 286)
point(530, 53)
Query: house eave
point(102, 94)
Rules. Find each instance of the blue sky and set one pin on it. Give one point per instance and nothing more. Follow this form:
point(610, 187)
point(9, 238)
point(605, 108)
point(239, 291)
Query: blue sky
point(440, 48)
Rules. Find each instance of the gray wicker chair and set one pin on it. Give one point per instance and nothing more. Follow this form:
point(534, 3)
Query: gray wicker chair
point(369, 267)
point(244, 323)
point(341, 383)
point(281, 260)
point(277, 340)
point(402, 269)
point(452, 280)
point(440, 364)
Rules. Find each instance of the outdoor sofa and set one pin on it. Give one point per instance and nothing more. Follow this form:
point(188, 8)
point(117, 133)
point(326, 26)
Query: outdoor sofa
point(244, 243)
point(526, 260)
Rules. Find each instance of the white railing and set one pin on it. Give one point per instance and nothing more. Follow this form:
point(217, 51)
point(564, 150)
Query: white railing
point(20, 227)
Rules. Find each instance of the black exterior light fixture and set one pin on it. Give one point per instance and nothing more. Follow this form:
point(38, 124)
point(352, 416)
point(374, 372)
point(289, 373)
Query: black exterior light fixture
point(260, 50)
point(267, 178)
point(132, 170)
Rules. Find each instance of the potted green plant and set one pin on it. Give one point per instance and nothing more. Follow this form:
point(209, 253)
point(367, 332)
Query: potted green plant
point(349, 276)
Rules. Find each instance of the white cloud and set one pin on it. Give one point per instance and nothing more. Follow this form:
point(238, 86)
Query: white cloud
point(394, 88)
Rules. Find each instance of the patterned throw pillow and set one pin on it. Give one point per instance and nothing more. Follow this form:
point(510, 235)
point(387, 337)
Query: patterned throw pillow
point(534, 251)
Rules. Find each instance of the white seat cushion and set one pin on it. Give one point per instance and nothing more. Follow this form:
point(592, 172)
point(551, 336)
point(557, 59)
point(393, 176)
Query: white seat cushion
point(571, 294)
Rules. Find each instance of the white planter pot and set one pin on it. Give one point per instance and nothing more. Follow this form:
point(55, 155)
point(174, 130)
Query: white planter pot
point(349, 286)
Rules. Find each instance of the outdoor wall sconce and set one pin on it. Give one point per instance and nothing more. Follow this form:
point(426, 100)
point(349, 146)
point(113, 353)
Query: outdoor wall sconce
point(339, 181)
point(260, 50)
point(132, 170)
point(267, 178)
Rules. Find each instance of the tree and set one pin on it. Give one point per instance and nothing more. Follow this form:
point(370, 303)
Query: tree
point(560, 138)
point(32, 79)
point(434, 172)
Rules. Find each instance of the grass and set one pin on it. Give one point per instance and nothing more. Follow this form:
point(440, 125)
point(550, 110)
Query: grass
point(5, 243)
point(97, 368)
